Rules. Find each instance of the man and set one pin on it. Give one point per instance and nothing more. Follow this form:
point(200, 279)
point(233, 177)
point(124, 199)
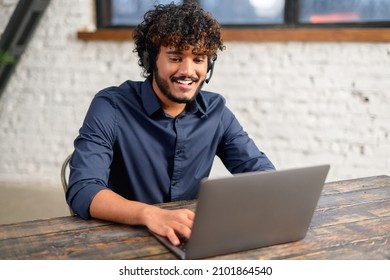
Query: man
point(150, 142)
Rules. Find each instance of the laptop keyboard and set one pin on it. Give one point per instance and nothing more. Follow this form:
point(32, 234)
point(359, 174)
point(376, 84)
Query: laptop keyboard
point(183, 244)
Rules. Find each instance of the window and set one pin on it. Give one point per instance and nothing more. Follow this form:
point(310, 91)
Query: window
point(258, 13)
point(261, 20)
point(360, 12)
point(128, 13)
point(124, 13)
point(246, 12)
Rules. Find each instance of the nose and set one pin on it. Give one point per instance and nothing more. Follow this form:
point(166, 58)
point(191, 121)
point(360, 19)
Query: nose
point(187, 68)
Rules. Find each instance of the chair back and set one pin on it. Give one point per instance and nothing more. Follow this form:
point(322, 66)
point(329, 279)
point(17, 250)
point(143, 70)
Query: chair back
point(64, 177)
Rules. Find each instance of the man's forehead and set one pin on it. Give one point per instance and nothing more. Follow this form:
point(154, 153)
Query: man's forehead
point(177, 50)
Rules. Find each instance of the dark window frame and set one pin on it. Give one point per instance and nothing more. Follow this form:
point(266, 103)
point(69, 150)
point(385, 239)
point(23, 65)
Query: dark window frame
point(103, 13)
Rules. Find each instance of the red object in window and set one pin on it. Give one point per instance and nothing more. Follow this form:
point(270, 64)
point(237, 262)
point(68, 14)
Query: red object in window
point(334, 17)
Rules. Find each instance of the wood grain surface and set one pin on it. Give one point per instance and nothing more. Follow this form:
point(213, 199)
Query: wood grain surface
point(352, 221)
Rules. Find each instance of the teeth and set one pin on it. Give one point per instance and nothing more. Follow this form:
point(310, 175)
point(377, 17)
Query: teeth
point(184, 82)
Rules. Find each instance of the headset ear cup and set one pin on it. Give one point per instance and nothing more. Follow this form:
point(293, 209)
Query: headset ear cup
point(210, 64)
point(210, 68)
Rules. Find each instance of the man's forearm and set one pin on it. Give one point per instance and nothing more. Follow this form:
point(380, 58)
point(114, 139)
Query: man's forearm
point(108, 205)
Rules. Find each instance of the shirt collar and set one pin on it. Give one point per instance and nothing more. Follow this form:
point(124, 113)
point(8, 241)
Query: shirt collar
point(152, 104)
point(149, 98)
point(199, 104)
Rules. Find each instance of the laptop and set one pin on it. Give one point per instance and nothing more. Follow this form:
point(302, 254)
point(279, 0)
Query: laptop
point(252, 210)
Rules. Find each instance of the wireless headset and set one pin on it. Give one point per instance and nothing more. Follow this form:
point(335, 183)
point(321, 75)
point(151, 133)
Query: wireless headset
point(210, 64)
point(210, 67)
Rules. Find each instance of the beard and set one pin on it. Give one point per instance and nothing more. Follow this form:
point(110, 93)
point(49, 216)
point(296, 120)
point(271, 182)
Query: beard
point(164, 88)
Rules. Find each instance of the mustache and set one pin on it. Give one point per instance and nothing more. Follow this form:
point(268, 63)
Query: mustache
point(182, 78)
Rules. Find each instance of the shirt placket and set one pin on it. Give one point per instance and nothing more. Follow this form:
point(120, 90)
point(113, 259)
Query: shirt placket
point(177, 173)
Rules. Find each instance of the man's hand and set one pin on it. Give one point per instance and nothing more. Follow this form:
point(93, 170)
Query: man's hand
point(109, 206)
point(170, 223)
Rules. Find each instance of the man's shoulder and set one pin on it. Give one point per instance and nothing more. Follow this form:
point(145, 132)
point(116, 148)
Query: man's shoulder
point(210, 98)
point(127, 87)
point(126, 93)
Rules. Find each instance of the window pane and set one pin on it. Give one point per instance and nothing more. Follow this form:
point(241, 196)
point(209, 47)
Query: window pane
point(338, 11)
point(131, 12)
point(245, 12)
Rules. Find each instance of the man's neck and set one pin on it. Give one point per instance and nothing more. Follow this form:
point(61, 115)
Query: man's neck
point(173, 109)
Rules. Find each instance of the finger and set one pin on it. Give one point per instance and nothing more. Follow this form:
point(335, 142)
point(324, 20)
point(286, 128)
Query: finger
point(172, 237)
point(182, 230)
point(190, 214)
point(185, 217)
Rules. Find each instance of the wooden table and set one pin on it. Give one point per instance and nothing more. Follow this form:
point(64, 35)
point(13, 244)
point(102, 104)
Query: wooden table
point(352, 221)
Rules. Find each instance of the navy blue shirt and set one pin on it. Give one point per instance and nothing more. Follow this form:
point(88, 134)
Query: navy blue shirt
point(129, 145)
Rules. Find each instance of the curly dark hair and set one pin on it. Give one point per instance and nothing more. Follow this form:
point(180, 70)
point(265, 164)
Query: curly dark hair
point(180, 26)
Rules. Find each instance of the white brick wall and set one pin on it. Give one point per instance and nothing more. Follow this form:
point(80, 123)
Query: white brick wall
point(308, 103)
point(6, 9)
point(303, 103)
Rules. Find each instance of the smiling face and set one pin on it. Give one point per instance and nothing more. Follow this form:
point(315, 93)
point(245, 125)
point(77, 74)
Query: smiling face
point(179, 75)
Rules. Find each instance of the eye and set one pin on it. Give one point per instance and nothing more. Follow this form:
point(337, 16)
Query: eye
point(175, 59)
point(200, 60)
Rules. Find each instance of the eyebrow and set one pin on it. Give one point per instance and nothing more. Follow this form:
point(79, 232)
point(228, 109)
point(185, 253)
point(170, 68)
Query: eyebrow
point(174, 52)
point(178, 52)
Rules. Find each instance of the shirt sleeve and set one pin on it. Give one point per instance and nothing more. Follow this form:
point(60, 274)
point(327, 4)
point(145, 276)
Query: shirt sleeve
point(92, 157)
point(237, 150)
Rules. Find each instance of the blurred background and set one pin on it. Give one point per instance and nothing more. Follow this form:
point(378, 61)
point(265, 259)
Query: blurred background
point(303, 102)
